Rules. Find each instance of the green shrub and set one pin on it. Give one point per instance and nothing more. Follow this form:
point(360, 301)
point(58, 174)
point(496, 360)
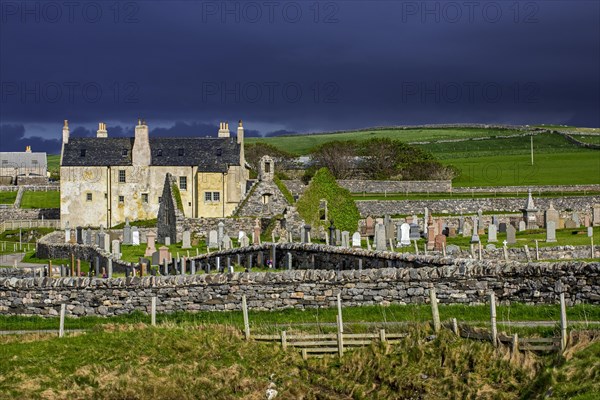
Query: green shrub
point(340, 205)
point(177, 195)
point(284, 190)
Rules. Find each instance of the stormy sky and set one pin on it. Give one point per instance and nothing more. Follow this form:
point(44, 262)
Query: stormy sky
point(292, 66)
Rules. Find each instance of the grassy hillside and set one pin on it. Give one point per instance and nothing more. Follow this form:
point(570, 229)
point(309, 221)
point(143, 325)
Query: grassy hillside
point(490, 162)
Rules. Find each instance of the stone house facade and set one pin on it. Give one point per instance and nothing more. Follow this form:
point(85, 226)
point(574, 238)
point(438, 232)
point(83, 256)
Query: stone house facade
point(105, 180)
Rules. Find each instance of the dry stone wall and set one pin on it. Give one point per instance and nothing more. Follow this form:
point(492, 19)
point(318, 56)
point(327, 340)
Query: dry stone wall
point(456, 281)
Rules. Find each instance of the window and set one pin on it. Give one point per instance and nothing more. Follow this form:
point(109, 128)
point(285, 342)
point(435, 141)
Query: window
point(4, 162)
point(219, 152)
point(180, 152)
point(144, 197)
point(121, 199)
point(159, 199)
point(121, 176)
point(268, 168)
point(212, 197)
point(183, 182)
point(88, 197)
point(34, 162)
point(82, 153)
point(124, 152)
point(159, 153)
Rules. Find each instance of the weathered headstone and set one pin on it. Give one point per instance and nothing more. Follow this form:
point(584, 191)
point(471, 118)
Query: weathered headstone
point(380, 242)
point(135, 236)
point(502, 227)
point(586, 220)
point(590, 231)
point(576, 220)
point(461, 223)
point(67, 233)
point(338, 237)
point(415, 232)
point(551, 232)
point(452, 248)
point(220, 228)
point(570, 224)
point(226, 242)
point(431, 236)
point(356, 240)
point(439, 242)
point(79, 231)
point(88, 237)
point(116, 248)
point(106, 242)
point(480, 229)
point(492, 237)
point(213, 239)
point(370, 226)
point(495, 220)
point(552, 215)
point(244, 241)
point(150, 249)
point(490, 247)
point(522, 226)
point(302, 234)
point(475, 235)
point(405, 231)
point(345, 239)
point(167, 240)
point(186, 240)
point(467, 228)
point(240, 235)
point(256, 232)
point(511, 234)
point(596, 215)
point(127, 239)
point(389, 227)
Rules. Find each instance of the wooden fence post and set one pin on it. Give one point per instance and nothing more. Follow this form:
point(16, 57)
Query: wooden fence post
point(515, 343)
point(340, 326)
point(246, 322)
point(563, 323)
point(537, 250)
point(455, 327)
point(153, 311)
point(434, 310)
point(61, 329)
point(283, 340)
point(382, 335)
point(493, 319)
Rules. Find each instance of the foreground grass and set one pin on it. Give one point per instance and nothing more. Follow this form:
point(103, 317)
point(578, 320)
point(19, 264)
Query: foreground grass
point(8, 197)
point(50, 199)
point(213, 362)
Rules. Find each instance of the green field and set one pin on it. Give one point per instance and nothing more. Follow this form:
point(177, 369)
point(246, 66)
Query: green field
point(8, 197)
point(50, 199)
point(593, 139)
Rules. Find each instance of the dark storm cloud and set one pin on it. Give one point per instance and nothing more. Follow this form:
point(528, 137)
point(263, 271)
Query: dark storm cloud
point(293, 68)
point(12, 139)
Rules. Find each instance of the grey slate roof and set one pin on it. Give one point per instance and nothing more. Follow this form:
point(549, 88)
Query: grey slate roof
point(23, 160)
point(208, 154)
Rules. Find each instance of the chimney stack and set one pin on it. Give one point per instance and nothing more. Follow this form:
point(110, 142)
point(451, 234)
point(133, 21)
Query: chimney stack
point(65, 138)
point(140, 154)
point(101, 133)
point(224, 130)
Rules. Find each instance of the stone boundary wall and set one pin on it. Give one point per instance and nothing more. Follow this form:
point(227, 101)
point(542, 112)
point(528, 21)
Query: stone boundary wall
point(385, 278)
point(462, 282)
point(567, 135)
point(11, 213)
point(466, 206)
point(371, 186)
point(34, 188)
point(31, 180)
point(523, 189)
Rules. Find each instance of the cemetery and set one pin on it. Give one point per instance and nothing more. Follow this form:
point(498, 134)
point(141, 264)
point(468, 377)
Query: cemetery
point(275, 271)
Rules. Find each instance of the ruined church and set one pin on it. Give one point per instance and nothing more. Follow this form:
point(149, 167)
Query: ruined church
point(106, 180)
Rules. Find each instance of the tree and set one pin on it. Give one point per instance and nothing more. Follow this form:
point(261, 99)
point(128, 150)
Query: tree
point(339, 157)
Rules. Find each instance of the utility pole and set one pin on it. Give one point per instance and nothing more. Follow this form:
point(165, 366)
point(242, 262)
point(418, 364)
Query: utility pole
point(531, 148)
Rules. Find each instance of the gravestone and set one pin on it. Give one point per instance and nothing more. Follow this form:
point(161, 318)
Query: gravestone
point(561, 223)
point(511, 234)
point(302, 234)
point(425, 219)
point(461, 223)
point(307, 229)
point(79, 231)
point(106, 242)
point(88, 237)
point(356, 240)
point(116, 248)
point(135, 236)
point(451, 232)
point(345, 239)
point(67, 233)
point(467, 229)
point(495, 221)
point(475, 235)
point(586, 220)
point(127, 232)
point(220, 228)
point(213, 240)
point(440, 242)
point(596, 215)
point(338, 237)
point(570, 224)
point(590, 231)
point(380, 243)
point(256, 232)
point(576, 220)
point(522, 226)
point(492, 237)
point(150, 249)
point(452, 248)
point(167, 240)
point(480, 229)
point(552, 215)
point(398, 234)
point(415, 232)
point(186, 240)
point(369, 226)
point(502, 227)
point(490, 247)
point(551, 232)
point(227, 245)
point(405, 231)
point(389, 227)
point(244, 241)
point(159, 256)
point(240, 235)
